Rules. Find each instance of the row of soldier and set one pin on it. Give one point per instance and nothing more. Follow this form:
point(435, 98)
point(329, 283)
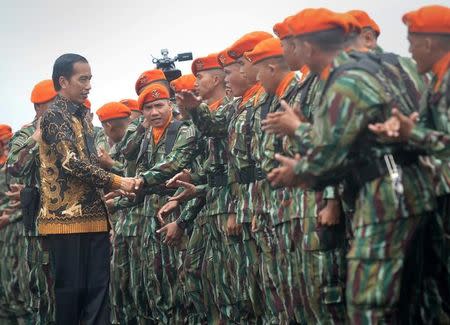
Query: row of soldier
point(302, 178)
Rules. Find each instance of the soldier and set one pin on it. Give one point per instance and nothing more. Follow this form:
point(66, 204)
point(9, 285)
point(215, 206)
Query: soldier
point(208, 248)
point(277, 80)
point(370, 31)
point(23, 162)
point(168, 147)
point(115, 118)
point(389, 207)
point(315, 216)
point(13, 304)
point(241, 166)
point(429, 35)
point(133, 224)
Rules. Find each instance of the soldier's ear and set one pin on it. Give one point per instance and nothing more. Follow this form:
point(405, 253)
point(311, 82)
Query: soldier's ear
point(272, 68)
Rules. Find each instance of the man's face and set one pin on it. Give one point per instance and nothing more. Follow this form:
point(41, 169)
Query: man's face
point(4, 147)
point(419, 47)
point(234, 80)
point(115, 132)
point(265, 76)
point(248, 71)
point(369, 38)
point(205, 83)
point(78, 86)
point(289, 53)
point(135, 114)
point(41, 108)
point(299, 52)
point(157, 112)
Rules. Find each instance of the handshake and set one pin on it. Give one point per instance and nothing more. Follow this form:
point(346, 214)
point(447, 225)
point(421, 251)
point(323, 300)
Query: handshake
point(131, 184)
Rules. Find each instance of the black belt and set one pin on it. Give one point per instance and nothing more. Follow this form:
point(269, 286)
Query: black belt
point(250, 175)
point(377, 168)
point(216, 180)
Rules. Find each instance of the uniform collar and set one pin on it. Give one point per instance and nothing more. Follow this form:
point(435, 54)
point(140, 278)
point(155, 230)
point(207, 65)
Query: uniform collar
point(440, 68)
point(340, 59)
point(284, 84)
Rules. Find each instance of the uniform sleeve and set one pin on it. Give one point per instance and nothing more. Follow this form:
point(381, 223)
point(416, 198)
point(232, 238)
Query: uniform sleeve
point(183, 153)
point(58, 134)
point(343, 115)
point(134, 137)
point(211, 123)
point(22, 154)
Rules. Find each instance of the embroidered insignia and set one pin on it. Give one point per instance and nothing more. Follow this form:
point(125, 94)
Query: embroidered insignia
point(155, 93)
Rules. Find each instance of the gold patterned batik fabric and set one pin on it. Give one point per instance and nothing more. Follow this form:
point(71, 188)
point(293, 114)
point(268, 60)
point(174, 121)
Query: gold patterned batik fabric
point(72, 181)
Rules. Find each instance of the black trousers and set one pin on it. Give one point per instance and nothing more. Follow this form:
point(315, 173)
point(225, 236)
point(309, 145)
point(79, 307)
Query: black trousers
point(80, 266)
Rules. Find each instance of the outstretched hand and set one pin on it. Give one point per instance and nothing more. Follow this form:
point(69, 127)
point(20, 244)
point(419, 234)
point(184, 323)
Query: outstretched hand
point(397, 128)
point(165, 210)
point(188, 100)
point(172, 233)
point(284, 175)
point(189, 192)
point(283, 122)
point(183, 176)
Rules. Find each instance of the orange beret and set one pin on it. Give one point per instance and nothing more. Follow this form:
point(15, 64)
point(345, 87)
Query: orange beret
point(148, 77)
point(186, 81)
point(310, 21)
point(113, 110)
point(206, 63)
point(282, 29)
point(132, 104)
point(429, 19)
point(224, 59)
point(5, 132)
point(364, 20)
point(43, 92)
point(269, 48)
point(87, 103)
point(246, 43)
point(151, 93)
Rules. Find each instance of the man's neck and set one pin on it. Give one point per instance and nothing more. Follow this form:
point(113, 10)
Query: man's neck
point(216, 95)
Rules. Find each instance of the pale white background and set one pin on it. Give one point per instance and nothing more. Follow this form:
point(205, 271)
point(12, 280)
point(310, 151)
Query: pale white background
point(118, 38)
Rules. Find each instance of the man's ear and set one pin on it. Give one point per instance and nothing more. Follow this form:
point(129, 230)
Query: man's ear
point(63, 82)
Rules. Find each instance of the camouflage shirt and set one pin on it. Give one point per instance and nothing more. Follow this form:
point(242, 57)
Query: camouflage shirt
point(341, 136)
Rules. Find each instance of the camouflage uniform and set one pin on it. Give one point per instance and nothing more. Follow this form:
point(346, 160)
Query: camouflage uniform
point(23, 161)
point(323, 248)
point(211, 262)
point(161, 262)
point(241, 175)
point(124, 309)
point(432, 134)
point(130, 226)
point(14, 269)
point(388, 209)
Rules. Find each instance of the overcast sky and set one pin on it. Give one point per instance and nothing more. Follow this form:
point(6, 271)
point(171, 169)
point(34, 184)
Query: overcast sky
point(119, 37)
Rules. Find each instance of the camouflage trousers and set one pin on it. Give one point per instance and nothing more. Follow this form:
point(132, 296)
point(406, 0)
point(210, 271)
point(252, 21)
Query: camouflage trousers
point(123, 308)
point(378, 271)
point(163, 275)
point(323, 264)
point(272, 295)
point(434, 295)
point(288, 263)
point(249, 277)
point(199, 298)
point(14, 274)
point(211, 266)
point(138, 293)
point(42, 299)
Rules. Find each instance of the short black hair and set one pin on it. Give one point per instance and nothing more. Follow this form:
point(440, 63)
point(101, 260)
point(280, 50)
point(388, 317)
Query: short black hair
point(64, 67)
point(328, 40)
